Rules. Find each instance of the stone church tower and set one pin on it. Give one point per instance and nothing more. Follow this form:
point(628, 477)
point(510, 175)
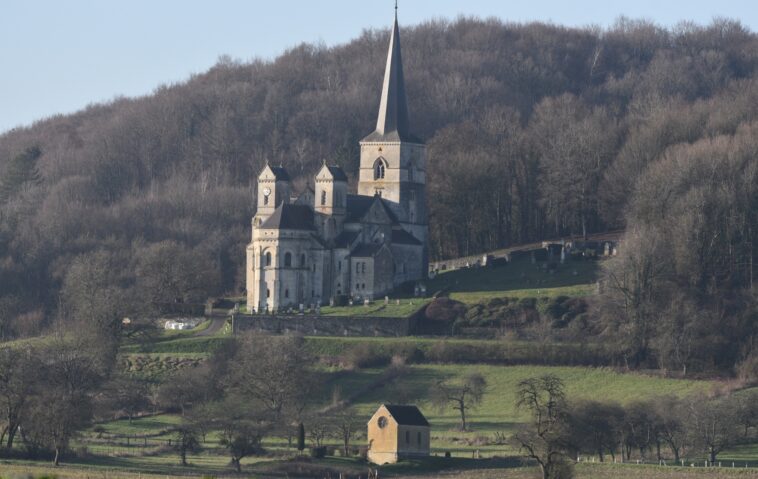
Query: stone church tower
point(327, 245)
point(393, 160)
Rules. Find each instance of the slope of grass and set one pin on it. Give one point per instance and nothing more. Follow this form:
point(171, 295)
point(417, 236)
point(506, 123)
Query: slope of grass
point(406, 307)
point(518, 279)
point(497, 412)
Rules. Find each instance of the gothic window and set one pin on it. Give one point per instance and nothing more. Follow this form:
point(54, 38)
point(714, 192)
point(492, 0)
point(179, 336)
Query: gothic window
point(302, 261)
point(357, 267)
point(363, 267)
point(265, 200)
point(323, 197)
point(363, 285)
point(286, 293)
point(339, 266)
point(268, 258)
point(287, 260)
point(268, 293)
point(379, 168)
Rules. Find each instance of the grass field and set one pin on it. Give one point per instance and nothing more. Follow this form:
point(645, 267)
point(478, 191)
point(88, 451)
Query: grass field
point(497, 412)
point(517, 280)
point(331, 467)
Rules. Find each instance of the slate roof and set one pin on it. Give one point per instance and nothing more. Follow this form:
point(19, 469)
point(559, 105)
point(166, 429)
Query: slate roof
point(290, 217)
point(345, 239)
point(404, 237)
point(407, 415)
point(337, 172)
point(366, 250)
point(392, 123)
point(280, 173)
point(358, 205)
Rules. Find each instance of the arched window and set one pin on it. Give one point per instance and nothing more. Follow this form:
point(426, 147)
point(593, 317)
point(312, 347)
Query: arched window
point(288, 260)
point(268, 258)
point(302, 261)
point(323, 197)
point(265, 200)
point(268, 293)
point(379, 168)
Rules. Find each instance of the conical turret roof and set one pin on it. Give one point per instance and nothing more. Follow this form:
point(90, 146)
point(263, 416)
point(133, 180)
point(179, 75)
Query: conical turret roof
point(392, 123)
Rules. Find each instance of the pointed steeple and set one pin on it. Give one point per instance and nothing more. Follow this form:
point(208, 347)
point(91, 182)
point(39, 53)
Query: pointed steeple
point(392, 122)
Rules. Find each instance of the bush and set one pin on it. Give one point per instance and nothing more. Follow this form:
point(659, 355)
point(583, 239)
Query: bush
point(341, 300)
point(370, 356)
point(444, 310)
point(318, 452)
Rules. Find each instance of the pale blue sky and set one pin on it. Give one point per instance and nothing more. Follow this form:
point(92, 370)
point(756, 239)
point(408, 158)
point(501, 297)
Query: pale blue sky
point(57, 56)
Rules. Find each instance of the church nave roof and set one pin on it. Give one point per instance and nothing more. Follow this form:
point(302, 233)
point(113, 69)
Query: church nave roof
point(290, 217)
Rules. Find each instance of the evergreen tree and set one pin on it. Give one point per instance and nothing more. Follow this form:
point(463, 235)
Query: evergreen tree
point(21, 170)
point(300, 437)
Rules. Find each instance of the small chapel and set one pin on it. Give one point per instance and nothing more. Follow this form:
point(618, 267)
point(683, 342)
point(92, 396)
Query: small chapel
point(326, 244)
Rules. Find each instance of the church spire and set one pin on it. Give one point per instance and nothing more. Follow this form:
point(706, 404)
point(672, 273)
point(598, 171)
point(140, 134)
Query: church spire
point(393, 108)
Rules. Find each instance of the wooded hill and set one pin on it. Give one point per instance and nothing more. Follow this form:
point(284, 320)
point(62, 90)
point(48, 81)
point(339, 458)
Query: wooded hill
point(533, 130)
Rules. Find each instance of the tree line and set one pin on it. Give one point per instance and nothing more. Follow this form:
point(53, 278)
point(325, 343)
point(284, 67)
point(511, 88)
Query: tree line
point(534, 130)
point(663, 429)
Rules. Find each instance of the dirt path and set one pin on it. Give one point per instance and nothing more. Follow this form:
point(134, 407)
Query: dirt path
point(216, 325)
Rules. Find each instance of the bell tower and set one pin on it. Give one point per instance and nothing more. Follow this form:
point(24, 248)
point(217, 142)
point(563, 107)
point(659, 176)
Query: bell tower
point(273, 190)
point(393, 159)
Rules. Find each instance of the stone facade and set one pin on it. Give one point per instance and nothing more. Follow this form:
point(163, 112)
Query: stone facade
point(326, 243)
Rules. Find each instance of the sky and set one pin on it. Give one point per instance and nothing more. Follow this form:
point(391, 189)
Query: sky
point(58, 56)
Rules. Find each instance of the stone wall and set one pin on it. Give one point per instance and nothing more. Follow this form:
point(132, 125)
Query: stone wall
point(313, 325)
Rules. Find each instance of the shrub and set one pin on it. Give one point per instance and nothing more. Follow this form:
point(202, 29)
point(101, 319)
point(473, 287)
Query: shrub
point(318, 452)
point(365, 357)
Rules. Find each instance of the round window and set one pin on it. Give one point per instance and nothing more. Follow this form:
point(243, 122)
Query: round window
point(382, 422)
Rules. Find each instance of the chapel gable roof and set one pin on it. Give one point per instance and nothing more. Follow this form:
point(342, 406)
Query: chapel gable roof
point(366, 250)
point(359, 205)
point(290, 217)
point(345, 239)
point(400, 236)
point(406, 415)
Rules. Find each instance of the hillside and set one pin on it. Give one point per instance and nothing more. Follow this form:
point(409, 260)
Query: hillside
point(511, 113)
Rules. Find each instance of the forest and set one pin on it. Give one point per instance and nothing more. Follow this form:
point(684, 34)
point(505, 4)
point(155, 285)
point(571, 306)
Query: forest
point(534, 131)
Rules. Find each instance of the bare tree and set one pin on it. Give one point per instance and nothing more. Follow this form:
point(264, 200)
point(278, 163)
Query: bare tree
point(714, 424)
point(346, 423)
point(18, 378)
point(273, 372)
point(461, 397)
point(545, 439)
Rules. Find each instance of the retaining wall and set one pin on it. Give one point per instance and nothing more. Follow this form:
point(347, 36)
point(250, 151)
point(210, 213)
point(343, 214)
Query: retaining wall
point(313, 325)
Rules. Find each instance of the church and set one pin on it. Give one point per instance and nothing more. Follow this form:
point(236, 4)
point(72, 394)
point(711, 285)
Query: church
point(326, 244)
